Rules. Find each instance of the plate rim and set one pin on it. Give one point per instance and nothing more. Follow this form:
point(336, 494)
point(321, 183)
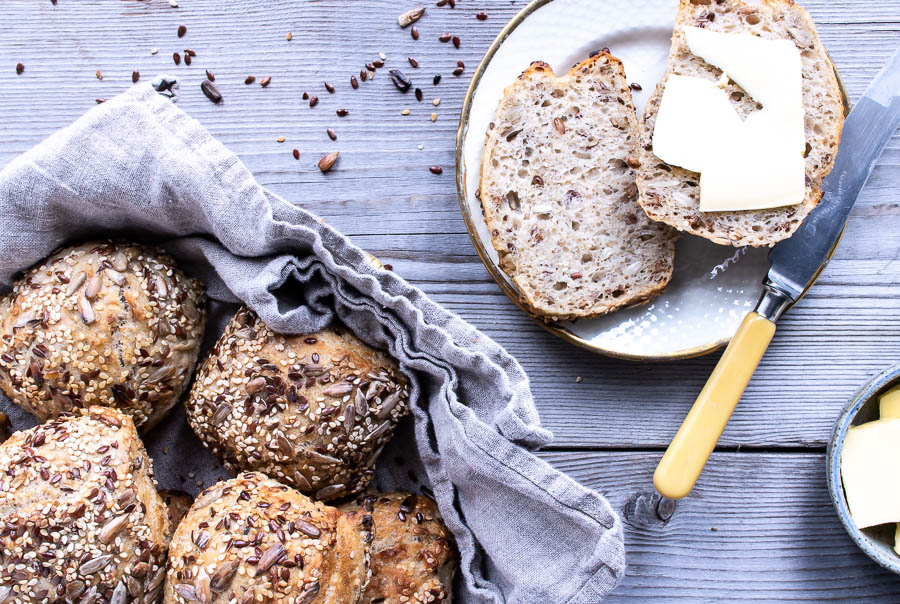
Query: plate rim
point(500, 278)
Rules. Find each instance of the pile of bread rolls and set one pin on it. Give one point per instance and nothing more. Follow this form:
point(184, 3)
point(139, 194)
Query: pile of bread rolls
point(100, 341)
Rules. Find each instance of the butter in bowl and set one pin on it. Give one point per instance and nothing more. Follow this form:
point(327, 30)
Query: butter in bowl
point(863, 474)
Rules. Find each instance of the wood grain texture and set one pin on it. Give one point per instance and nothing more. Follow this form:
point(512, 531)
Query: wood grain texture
point(768, 540)
point(778, 538)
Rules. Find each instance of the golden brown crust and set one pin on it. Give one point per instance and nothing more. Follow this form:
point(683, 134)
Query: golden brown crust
point(413, 555)
point(312, 411)
point(80, 512)
point(252, 537)
point(101, 324)
point(671, 194)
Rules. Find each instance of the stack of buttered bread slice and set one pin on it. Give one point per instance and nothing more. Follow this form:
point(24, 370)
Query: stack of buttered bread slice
point(584, 215)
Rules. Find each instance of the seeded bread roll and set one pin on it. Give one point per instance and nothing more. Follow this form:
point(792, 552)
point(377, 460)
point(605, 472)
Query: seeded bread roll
point(413, 555)
point(312, 411)
point(177, 505)
point(559, 196)
point(101, 324)
point(252, 539)
point(672, 195)
point(81, 516)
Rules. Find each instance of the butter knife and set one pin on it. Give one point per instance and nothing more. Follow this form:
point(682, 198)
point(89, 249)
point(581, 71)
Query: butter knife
point(795, 263)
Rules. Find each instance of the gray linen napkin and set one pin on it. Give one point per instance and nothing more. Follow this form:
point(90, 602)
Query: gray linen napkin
point(138, 167)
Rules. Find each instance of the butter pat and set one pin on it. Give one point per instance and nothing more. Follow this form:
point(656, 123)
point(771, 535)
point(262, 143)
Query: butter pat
point(889, 404)
point(870, 472)
point(744, 165)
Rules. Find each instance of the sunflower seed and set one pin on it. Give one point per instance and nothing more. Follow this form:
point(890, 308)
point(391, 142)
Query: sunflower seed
point(207, 497)
point(379, 431)
point(201, 539)
point(95, 564)
point(120, 595)
point(73, 589)
point(221, 579)
point(161, 286)
point(322, 458)
point(93, 286)
point(349, 418)
point(309, 593)
point(85, 310)
point(223, 412)
point(187, 592)
point(301, 482)
point(410, 16)
point(284, 445)
point(156, 580)
point(76, 283)
point(134, 588)
point(338, 389)
point(201, 587)
point(112, 528)
point(24, 319)
point(255, 385)
point(161, 374)
point(388, 405)
point(360, 403)
point(115, 276)
point(328, 161)
point(268, 559)
point(329, 491)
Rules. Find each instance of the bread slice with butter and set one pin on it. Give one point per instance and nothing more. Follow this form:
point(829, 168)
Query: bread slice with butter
point(671, 194)
point(559, 195)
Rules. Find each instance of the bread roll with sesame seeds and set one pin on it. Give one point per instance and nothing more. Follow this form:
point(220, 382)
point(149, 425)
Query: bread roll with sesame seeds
point(311, 411)
point(413, 554)
point(252, 539)
point(108, 324)
point(80, 516)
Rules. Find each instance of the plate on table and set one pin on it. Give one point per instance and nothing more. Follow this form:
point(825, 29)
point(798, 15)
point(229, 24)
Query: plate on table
point(713, 286)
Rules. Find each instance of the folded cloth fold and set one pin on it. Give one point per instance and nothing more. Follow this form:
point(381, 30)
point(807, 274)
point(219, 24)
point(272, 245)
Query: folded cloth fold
point(137, 167)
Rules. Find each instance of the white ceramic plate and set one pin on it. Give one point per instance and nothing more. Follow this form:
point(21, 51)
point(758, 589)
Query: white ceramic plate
point(713, 286)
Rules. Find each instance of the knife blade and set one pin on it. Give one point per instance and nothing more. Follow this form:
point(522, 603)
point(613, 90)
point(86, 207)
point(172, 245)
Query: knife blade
point(796, 261)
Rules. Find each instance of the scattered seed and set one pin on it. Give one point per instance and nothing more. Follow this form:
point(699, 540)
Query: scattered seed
point(329, 87)
point(99, 101)
point(559, 125)
point(305, 96)
point(187, 59)
point(458, 71)
point(249, 79)
point(289, 36)
point(445, 37)
point(342, 112)
point(177, 58)
point(99, 75)
point(153, 51)
point(210, 76)
point(414, 32)
point(181, 31)
point(363, 75)
point(370, 66)
point(436, 79)
point(280, 139)
point(313, 101)
point(327, 161)
point(635, 86)
point(404, 112)
point(173, 3)
point(436, 170)
point(20, 67)
point(578, 380)
point(190, 52)
point(135, 76)
point(421, 147)
point(410, 16)
point(265, 81)
point(460, 64)
point(434, 117)
point(354, 82)
point(436, 102)
point(378, 64)
point(456, 41)
point(210, 90)
point(400, 80)
point(331, 134)
point(413, 62)
point(419, 94)
point(481, 16)
point(296, 153)
point(382, 56)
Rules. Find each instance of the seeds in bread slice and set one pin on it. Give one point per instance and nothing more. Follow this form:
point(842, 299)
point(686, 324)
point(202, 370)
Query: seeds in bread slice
point(559, 195)
point(671, 194)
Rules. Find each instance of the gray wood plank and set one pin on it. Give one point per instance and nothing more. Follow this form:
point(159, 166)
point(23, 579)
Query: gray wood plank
point(758, 528)
point(382, 193)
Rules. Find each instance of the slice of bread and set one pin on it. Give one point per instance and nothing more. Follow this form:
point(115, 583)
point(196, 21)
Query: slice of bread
point(559, 195)
point(672, 195)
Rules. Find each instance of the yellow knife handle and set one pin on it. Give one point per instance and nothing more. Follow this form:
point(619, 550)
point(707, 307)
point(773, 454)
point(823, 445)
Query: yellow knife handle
point(684, 459)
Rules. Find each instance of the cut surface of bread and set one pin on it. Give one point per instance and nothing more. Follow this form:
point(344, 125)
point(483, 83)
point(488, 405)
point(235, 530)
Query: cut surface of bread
point(672, 195)
point(559, 195)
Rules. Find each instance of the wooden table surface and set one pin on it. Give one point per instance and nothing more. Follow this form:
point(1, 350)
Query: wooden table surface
point(759, 525)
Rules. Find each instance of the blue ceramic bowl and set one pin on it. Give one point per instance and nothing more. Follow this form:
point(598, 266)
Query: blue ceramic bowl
point(876, 542)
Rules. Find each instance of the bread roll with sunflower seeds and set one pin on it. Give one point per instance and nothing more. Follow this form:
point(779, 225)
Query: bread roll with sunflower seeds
point(252, 539)
point(311, 411)
point(82, 520)
point(413, 555)
point(109, 324)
